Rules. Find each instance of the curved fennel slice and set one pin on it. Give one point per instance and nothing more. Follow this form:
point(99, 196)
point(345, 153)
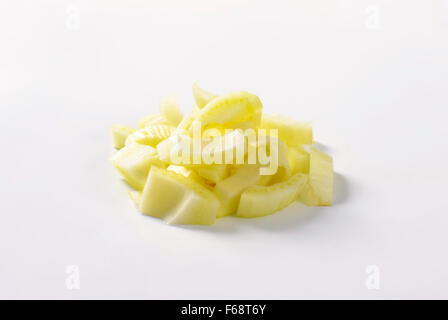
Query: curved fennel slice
point(258, 201)
point(231, 109)
point(133, 162)
point(319, 190)
point(201, 96)
point(150, 135)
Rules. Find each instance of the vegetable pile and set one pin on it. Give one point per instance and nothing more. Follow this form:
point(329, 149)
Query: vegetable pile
point(224, 158)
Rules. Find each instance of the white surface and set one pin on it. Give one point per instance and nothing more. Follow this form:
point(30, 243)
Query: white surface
point(377, 96)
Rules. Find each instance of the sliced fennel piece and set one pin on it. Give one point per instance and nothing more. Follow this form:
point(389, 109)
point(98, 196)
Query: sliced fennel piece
point(151, 135)
point(231, 109)
point(177, 149)
point(229, 190)
point(177, 199)
point(187, 173)
point(119, 134)
point(169, 109)
point(258, 201)
point(184, 171)
point(133, 162)
point(275, 165)
point(292, 132)
point(151, 120)
point(213, 173)
point(185, 125)
point(213, 131)
point(299, 160)
point(319, 190)
point(229, 148)
point(201, 96)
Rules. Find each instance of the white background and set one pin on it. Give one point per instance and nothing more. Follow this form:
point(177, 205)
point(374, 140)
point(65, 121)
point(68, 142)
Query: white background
point(371, 75)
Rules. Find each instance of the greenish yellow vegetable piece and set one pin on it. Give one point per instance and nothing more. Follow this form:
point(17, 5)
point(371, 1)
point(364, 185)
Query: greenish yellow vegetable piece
point(133, 162)
point(185, 124)
point(319, 190)
point(119, 134)
point(186, 172)
point(283, 166)
point(195, 109)
point(293, 132)
point(176, 144)
point(214, 173)
point(264, 180)
point(299, 160)
point(258, 201)
point(151, 135)
point(284, 170)
point(229, 190)
point(231, 109)
point(201, 96)
point(213, 131)
point(169, 109)
point(152, 120)
point(177, 199)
